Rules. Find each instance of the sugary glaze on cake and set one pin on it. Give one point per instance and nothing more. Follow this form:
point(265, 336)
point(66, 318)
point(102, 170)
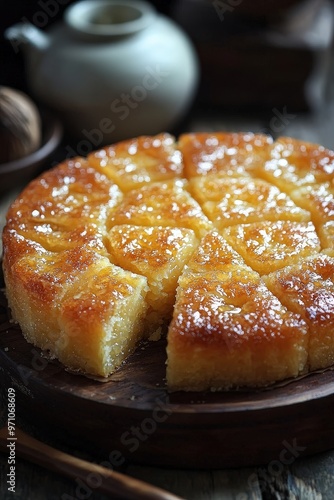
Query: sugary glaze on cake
point(308, 289)
point(293, 163)
point(228, 329)
point(273, 245)
point(236, 200)
point(161, 204)
point(139, 161)
point(64, 299)
point(318, 199)
point(231, 153)
point(227, 238)
point(326, 234)
point(159, 254)
point(66, 207)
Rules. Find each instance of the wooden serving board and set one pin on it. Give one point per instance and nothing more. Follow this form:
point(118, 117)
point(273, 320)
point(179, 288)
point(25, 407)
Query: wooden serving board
point(133, 417)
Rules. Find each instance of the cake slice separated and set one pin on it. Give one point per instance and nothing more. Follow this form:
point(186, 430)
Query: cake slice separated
point(228, 330)
point(159, 254)
point(102, 318)
point(75, 304)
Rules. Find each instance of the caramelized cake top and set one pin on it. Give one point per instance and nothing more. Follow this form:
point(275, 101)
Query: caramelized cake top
point(236, 200)
point(161, 204)
point(272, 245)
point(217, 226)
point(231, 153)
point(295, 163)
point(137, 162)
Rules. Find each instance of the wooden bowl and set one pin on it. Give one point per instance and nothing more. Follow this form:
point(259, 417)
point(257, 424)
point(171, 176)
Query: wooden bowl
point(18, 172)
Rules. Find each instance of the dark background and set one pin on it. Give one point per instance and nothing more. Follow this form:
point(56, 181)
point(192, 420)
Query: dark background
point(15, 11)
point(245, 65)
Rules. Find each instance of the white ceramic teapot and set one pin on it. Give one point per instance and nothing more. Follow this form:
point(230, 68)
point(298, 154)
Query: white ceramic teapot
point(113, 69)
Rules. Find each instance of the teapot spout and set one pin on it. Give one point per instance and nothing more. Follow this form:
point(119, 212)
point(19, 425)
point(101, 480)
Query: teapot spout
point(28, 36)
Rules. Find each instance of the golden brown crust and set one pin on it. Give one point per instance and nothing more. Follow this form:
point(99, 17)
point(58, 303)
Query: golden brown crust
point(308, 289)
point(273, 245)
point(165, 204)
point(139, 161)
point(158, 253)
point(231, 153)
point(237, 200)
point(228, 329)
point(295, 163)
point(96, 249)
point(318, 199)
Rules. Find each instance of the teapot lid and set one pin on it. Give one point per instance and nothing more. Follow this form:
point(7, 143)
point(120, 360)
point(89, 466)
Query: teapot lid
point(109, 18)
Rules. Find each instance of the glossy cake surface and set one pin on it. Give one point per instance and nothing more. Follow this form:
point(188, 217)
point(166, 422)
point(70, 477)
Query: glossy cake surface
point(224, 242)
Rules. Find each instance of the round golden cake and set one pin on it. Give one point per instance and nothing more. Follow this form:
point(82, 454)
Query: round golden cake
point(224, 242)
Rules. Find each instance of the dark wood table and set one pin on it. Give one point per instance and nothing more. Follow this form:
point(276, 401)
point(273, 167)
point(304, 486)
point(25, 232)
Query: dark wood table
point(310, 478)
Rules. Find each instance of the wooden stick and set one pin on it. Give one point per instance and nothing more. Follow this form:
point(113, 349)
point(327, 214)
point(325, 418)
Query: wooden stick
point(106, 480)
